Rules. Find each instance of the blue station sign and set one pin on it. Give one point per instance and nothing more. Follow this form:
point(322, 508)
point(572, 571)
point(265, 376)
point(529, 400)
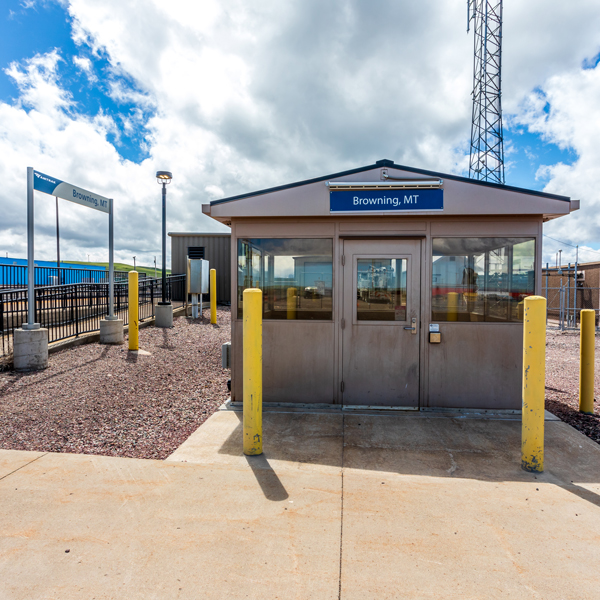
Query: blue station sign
point(388, 200)
point(68, 191)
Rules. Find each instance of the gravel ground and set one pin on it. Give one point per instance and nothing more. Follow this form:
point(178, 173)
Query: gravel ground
point(562, 382)
point(97, 399)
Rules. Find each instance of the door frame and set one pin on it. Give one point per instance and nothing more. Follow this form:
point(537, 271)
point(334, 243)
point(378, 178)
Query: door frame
point(424, 319)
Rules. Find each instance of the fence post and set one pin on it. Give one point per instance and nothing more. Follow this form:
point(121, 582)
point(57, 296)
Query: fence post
point(569, 296)
point(134, 316)
point(252, 372)
point(213, 296)
point(586, 361)
point(76, 310)
point(534, 377)
point(562, 306)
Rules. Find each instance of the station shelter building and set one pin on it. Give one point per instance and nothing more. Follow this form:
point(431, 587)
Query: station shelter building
point(388, 286)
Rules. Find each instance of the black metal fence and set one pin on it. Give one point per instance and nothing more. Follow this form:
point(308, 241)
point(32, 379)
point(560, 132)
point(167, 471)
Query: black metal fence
point(72, 309)
point(15, 276)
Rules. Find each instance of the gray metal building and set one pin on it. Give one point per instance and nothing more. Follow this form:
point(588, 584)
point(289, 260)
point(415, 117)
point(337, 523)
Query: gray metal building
point(213, 247)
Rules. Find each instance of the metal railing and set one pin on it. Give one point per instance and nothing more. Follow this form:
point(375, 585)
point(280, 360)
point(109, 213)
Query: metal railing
point(15, 276)
point(73, 309)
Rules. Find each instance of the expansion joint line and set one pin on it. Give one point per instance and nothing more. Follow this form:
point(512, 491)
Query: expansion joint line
point(23, 466)
point(342, 503)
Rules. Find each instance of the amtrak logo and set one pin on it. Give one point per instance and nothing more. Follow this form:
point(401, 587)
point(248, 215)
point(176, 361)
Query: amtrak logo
point(45, 178)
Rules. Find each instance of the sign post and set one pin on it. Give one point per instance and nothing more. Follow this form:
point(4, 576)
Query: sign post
point(31, 324)
point(60, 189)
point(111, 267)
point(25, 355)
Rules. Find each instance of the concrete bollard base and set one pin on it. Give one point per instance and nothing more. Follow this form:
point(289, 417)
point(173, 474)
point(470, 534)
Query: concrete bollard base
point(111, 332)
point(30, 349)
point(164, 315)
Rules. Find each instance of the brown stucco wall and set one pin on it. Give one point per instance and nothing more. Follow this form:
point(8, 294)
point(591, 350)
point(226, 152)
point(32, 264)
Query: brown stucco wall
point(477, 365)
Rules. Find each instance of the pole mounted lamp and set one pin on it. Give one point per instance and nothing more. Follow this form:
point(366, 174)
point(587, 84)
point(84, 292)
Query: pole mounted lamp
point(164, 178)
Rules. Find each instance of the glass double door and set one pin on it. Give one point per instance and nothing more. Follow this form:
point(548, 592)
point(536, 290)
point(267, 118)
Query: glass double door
point(380, 323)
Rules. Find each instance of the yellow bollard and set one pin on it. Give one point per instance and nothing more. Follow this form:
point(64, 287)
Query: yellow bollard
point(586, 361)
point(534, 379)
point(252, 372)
point(291, 303)
point(213, 296)
point(134, 322)
point(452, 306)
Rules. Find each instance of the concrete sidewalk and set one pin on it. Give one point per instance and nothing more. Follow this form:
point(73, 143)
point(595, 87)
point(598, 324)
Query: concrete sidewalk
point(340, 505)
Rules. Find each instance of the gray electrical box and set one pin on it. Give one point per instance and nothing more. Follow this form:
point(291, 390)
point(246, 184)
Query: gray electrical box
point(226, 355)
point(198, 280)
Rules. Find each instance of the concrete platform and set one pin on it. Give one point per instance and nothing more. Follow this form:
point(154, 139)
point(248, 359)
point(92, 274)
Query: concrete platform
point(339, 506)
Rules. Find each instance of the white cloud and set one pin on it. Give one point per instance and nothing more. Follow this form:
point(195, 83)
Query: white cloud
point(38, 85)
point(566, 112)
point(214, 192)
point(243, 96)
point(85, 64)
point(123, 93)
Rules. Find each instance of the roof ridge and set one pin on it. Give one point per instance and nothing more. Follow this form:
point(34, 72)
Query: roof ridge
point(391, 164)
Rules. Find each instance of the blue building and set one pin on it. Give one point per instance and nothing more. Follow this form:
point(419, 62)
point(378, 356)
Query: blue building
point(13, 273)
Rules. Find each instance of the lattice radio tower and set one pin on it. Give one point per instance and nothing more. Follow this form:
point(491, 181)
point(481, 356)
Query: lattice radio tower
point(487, 145)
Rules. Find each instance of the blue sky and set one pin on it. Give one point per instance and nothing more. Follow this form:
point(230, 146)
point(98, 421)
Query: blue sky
point(526, 152)
point(131, 87)
point(46, 26)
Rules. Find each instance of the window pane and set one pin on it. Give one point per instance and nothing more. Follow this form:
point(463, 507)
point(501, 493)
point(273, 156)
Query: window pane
point(481, 279)
point(295, 275)
point(381, 289)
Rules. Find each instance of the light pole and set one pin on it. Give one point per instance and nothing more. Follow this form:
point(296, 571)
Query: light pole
point(166, 314)
point(58, 246)
point(134, 263)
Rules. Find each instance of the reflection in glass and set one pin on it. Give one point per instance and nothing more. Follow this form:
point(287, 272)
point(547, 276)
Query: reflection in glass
point(481, 279)
point(381, 289)
point(295, 275)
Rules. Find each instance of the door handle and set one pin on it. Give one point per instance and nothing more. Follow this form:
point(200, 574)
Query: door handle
point(413, 328)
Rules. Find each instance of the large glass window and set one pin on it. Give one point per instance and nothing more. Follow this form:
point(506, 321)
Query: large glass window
point(295, 275)
point(481, 279)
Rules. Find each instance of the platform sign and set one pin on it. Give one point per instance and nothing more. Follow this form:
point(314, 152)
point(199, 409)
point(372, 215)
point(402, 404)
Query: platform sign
point(385, 200)
point(46, 184)
point(68, 191)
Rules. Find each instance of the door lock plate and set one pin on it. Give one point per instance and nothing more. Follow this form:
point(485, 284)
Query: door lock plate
point(413, 328)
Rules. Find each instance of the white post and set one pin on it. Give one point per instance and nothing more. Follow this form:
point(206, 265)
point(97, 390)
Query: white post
point(31, 324)
point(111, 266)
point(30, 350)
point(111, 328)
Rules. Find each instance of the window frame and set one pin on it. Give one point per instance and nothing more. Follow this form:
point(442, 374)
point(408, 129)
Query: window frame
point(334, 259)
point(367, 322)
point(536, 271)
